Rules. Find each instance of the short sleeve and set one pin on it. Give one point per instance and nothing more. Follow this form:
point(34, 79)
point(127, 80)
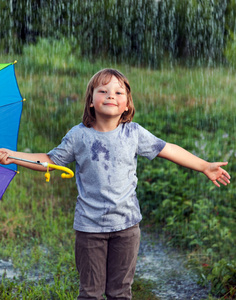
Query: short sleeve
point(63, 153)
point(149, 145)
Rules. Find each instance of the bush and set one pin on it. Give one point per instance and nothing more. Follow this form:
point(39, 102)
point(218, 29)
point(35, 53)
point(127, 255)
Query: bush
point(230, 50)
point(141, 33)
point(223, 279)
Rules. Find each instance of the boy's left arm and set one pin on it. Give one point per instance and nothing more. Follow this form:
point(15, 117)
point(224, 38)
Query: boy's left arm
point(186, 159)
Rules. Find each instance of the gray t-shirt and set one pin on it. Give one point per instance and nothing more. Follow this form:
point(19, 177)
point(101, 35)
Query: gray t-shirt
point(106, 177)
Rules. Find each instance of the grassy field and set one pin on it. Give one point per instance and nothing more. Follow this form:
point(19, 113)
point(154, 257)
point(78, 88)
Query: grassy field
point(194, 108)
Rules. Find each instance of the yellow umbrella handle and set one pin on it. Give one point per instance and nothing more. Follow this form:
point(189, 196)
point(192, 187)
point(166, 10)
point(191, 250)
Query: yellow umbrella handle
point(69, 173)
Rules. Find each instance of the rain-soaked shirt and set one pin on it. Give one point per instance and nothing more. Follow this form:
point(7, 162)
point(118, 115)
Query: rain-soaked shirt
point(106, 177)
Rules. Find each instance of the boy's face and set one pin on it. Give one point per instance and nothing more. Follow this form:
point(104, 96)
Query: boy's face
point(110, 100)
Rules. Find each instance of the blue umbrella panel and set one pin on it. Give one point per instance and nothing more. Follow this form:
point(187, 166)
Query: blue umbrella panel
point(11, 103)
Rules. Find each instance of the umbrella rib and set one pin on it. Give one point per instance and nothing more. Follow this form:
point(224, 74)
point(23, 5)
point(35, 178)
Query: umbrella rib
point(13, 103)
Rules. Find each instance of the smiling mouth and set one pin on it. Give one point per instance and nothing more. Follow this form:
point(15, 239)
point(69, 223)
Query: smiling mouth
point(110, 104)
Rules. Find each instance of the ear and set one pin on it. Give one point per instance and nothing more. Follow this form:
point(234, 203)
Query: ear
point(91, 104)
point(126, 109)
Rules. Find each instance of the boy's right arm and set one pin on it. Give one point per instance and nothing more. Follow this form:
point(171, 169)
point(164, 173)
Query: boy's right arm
point(42, 157)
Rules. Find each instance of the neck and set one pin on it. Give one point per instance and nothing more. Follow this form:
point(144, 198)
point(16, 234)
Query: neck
point(105, 125)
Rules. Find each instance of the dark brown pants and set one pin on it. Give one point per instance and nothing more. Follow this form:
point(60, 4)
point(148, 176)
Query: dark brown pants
point(106, 263)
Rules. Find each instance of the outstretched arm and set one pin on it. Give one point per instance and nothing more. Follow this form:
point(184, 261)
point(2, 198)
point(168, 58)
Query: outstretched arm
point(42, 157)
point(184, 158)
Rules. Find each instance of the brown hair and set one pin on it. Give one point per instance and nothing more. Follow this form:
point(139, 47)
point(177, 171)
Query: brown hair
point(104, 77)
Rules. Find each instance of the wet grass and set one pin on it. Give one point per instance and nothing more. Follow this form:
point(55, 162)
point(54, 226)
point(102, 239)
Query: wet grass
point(183, 106)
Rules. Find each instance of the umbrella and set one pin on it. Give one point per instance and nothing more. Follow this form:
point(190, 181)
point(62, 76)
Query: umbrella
point(11, 104)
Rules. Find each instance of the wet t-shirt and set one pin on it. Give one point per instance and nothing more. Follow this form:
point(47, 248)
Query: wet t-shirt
point(106, 176)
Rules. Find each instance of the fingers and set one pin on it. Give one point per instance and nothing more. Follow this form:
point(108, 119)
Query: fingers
point(216, 183)
point(223, 179)
point(224, 163)
point(4, 157)
point(221, 164)
point(226, 174)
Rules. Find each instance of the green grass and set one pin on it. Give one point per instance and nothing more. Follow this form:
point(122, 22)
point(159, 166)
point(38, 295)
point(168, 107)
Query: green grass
point(190, 107)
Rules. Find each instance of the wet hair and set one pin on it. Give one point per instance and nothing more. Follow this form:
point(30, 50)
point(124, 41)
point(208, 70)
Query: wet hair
point(104, 77)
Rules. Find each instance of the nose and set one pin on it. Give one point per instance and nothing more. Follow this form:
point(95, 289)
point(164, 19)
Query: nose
point(110, 96)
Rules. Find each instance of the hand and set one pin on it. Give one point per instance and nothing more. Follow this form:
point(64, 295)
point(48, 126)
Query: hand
point(215, 173)
point(4, 153)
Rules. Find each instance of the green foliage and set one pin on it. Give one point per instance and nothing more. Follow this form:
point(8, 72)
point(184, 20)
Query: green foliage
point(223, 278)
point(141, 290)
point(138, 32)
point(230, 50)
point(52, 53)
point(63, 286)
